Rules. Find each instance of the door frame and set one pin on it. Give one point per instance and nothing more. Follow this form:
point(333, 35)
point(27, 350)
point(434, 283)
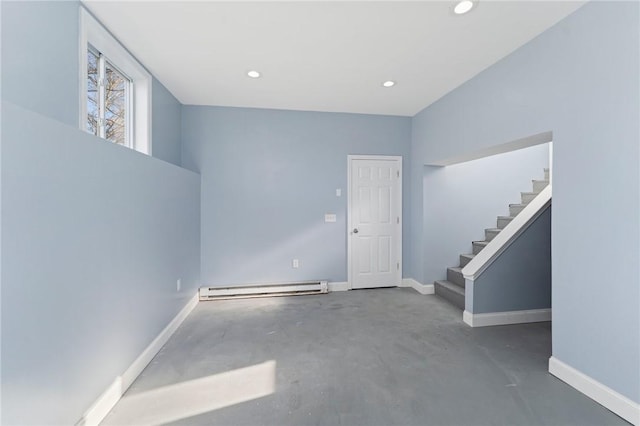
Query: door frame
point(350, 159)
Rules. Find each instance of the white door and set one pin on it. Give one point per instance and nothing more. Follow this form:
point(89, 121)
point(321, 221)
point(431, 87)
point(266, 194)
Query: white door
point(374, 221)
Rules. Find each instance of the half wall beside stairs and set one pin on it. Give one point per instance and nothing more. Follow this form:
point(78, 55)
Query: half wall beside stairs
point(511, 281)
point(516, 287)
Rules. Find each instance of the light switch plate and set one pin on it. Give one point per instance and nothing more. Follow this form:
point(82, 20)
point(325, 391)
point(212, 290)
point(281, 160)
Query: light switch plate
point(329, 217)
point(338, 192)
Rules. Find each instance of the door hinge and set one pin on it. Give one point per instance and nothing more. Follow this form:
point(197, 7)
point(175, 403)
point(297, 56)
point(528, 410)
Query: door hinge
point(398, 220)
point(398, 266)
point(398, 173)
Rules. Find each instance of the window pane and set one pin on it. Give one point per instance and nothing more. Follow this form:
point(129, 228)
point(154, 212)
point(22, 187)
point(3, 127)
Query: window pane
point(92, 93)
point(115, 104)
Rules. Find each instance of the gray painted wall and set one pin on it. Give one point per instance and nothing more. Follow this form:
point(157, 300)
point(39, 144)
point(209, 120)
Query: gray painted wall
point(43, 35)
point(520, 278)
point(268, 178)
point(94, 237)
point(461, 200)
point(580, 80)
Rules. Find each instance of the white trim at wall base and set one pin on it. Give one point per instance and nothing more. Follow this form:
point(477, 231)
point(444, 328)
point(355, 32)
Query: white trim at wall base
point(505, 318)
point(339, 286)
point(603, 395)
point(101, 407)
point(419, 287)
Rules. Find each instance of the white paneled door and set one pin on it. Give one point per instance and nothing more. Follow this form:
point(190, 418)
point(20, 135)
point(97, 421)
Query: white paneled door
point(375, 221)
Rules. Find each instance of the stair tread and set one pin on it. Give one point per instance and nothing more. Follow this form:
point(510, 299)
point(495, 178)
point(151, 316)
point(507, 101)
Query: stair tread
point(518, 205)
point(493, 229)
point(455, 268)
point(540, 180)
point(451, 286)
point(506, 217)
point(469, 255)
point(478, 246)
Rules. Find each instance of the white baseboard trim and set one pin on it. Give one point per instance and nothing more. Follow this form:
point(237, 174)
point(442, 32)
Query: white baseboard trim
point(339, 286)
point(419, 287)
point(603, 395)
point(505, 318)
point(101, 407)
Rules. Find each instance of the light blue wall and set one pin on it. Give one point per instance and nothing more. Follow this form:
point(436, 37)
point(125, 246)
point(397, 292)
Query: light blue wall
point(166, 118)
point(268, 178)
point(580, 80)
point(414, 267)
point(40, 57)
point(94, 237)
point(40, 70)
point(520, 278)
point(461, 200)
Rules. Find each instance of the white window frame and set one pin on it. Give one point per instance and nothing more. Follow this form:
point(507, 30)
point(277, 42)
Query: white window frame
point(94, 34)
point(102, 62)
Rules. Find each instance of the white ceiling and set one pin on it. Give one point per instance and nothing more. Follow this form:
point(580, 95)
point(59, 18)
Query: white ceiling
point(322, 56)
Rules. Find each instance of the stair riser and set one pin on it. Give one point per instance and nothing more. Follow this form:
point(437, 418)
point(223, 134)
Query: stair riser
point(515, 210)
point(490, 235)
point(455, 277)
point(503, 222)
point(464, 261)
point(539, 185)
point(527, 197)
point(477, 248)
point(455, 298)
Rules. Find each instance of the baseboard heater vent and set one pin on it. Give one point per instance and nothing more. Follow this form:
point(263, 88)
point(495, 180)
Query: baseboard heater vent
point(264, 290)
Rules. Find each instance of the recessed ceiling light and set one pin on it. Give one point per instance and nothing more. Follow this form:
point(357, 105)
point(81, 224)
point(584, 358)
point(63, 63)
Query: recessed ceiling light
point(253, 74)
point(389, 83)
point(463, 7)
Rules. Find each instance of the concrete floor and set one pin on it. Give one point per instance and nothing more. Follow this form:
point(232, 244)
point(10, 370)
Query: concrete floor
point(365, 357)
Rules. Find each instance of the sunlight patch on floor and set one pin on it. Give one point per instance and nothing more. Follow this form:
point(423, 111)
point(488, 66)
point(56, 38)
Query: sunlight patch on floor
point(193, 397)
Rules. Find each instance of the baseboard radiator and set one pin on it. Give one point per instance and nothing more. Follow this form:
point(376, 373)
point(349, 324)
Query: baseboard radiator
point(264, 290)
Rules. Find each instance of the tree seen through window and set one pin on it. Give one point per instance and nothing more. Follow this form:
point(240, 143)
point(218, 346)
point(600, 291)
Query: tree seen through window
point(107, 99)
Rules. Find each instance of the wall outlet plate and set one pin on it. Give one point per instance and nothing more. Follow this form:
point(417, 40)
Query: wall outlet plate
point(329, 217)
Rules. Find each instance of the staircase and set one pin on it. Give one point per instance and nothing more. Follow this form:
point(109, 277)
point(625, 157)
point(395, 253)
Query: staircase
point(452, 289)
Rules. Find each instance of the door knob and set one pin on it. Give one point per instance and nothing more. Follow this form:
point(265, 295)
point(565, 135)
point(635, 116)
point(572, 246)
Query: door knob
point(355, 230)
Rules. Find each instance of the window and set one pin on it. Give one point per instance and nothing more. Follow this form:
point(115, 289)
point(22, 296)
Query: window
point(108, 100)
point(115, 93)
